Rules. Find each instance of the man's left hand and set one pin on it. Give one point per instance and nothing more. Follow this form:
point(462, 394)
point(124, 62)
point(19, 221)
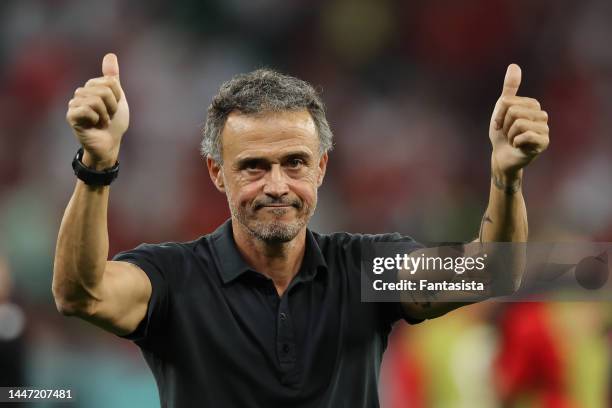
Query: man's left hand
point(518, 129)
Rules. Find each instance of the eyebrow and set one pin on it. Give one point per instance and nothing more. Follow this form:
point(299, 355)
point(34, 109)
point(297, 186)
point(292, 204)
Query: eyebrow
point(298, 154)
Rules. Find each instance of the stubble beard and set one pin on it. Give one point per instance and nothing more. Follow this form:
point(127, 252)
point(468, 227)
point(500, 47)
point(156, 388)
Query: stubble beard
point(274, 231)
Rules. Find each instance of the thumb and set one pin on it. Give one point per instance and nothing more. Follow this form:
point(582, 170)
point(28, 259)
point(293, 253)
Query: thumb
point(110, 65)
point(512, 81)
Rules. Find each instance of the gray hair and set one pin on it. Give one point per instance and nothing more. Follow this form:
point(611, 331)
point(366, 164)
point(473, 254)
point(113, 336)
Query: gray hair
point(262, 90)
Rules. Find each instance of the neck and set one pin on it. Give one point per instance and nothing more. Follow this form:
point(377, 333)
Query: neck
point(279, 261)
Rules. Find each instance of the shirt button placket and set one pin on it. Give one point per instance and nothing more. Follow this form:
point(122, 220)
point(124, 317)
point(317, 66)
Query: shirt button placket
point(285, 343)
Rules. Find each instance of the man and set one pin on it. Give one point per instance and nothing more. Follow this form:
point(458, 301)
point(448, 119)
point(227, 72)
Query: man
point(262, 312)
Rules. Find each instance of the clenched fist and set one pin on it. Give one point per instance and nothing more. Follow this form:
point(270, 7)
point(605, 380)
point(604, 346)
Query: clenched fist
point(518, 129)
point(99, 116)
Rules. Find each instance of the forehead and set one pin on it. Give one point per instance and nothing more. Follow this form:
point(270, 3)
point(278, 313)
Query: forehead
point(268, 134)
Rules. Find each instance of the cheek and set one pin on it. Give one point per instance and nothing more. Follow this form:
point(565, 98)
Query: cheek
point(245, 193)
point(306, 191)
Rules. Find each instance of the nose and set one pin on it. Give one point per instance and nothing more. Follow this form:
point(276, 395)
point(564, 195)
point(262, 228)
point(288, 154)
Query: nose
point(275, 182)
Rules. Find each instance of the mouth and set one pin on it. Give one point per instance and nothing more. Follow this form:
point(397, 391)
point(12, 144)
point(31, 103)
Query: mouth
point(278, 205)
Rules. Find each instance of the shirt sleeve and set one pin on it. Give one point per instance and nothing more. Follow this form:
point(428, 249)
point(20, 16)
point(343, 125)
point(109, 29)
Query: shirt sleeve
point(389, 312)
point(152, 260)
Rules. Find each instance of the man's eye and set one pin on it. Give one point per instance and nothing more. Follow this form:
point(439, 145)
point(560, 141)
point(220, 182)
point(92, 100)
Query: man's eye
point(295, 163)
point(252, 165)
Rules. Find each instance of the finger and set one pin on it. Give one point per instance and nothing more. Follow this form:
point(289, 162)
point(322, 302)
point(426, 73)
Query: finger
point(531, 142)
point(110, 66)
point(512, 80)
point(106, 95)
point(111, 82)
point(515, 112)
point(82, 116)
point(523, 125)
point(504, 102)
point(96, 103)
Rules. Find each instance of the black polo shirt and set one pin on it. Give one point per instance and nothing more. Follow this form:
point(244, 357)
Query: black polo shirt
point(217, 334)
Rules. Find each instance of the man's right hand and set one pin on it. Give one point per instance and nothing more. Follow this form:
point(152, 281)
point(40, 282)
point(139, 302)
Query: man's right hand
point(99, 116)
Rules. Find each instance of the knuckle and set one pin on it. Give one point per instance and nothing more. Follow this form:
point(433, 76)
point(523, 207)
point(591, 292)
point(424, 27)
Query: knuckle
point(92, 103)
point(515, 127)
point(107, 92)
point(87, 100)
point(74, 113)
point(96, 90)
point(96, 100)
point(79, 91)
point(514, 111)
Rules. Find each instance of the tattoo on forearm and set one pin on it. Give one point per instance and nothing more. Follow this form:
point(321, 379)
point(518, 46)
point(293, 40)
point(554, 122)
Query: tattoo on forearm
point(509, 189)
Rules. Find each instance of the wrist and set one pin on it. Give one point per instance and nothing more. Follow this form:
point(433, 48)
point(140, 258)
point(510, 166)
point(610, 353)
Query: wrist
point(510, 184)
point(96, 172)
point(508, 177)
point(508, 181)
point(98, 164)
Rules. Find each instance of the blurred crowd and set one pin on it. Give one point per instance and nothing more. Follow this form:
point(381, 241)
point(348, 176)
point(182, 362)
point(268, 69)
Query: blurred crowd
point(409, 89)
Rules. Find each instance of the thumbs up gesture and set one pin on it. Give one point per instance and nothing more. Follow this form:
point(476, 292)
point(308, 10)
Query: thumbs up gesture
point(518, 129)
point(99, 116)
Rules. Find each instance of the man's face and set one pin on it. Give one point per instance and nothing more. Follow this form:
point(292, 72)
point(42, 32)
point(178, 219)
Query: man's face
point(271, 172)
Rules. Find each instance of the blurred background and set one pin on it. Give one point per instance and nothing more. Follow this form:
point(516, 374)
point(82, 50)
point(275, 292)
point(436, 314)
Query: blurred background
point(409, 87)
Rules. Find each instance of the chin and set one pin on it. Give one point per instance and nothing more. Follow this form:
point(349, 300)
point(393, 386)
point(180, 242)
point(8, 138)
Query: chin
point(272, 225)
point(276, 231)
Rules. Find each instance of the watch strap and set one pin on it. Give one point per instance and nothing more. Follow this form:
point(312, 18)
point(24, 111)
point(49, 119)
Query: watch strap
point(93, 177)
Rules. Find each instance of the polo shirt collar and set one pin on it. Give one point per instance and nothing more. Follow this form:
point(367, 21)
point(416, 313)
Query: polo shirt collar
point(232, 265)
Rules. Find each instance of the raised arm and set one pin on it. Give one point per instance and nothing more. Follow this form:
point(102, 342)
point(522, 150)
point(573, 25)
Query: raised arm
point(519, 133)
point(112, 295)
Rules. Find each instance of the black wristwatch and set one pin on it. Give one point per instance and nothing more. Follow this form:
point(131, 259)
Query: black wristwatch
point(93, 177)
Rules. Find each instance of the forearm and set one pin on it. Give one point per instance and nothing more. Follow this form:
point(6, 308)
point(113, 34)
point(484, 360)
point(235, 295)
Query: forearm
point(505, 219)
point(82, 247)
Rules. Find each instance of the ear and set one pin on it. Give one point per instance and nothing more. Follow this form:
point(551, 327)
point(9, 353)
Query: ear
point(322, 168)
point(216, 174)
